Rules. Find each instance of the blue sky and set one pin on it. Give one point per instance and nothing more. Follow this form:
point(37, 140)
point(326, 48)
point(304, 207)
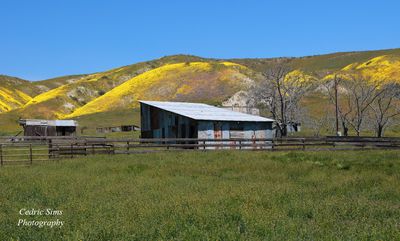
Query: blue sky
point(43, 39)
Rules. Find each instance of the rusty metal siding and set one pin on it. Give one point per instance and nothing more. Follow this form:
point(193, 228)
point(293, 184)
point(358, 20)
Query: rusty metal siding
point(235, 130)
point(49, 130)
point(158, 123)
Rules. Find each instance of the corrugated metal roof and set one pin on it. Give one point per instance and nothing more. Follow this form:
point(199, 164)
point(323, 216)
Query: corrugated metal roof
point(198, 111)
point(34, 122)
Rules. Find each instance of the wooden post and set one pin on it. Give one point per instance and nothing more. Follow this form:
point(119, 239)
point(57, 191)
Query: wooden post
point(127, 147)
point(50, 149)
point(72, 153)
point(304, 146)
point(336, 106)
point(30, 153)
point(240, 145)
point(1, 154)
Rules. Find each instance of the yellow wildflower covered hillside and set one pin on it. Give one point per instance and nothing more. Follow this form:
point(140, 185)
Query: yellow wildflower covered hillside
point(11, 99)
point(189, 81)
point(15, 92)
point(383, 69)
point(61, 96)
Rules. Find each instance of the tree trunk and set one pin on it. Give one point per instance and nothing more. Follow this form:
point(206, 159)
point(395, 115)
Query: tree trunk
point(345, 129)
point(379, 131)
point(284, 130)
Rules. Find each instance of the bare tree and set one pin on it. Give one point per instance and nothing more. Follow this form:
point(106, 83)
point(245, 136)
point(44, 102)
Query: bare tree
point(362, 101)
point(385, 108)
point(280, 92)
point(360, 94)
point(357, 95)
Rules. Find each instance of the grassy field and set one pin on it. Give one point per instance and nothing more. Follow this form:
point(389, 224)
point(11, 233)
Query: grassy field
point(208, 196)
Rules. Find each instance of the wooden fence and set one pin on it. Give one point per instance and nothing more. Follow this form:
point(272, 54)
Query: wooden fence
point(27, 150)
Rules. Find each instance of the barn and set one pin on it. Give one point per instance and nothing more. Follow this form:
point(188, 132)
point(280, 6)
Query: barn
point(33, 127)
point(196, 120)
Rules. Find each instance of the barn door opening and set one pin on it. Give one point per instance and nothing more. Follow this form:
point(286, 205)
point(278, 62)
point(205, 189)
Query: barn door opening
point(193, 131)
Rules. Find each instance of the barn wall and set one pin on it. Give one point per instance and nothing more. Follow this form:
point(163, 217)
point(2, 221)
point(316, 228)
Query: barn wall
point(145, 117)
point(234, 130)
point(247, 130)
point(49, 130)
point(166, 125)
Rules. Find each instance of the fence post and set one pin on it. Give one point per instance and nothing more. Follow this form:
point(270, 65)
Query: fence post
point(50, 149)
point(30, 153)
point(1, 154)
point(304, 146)
point(72, 153)
point(240, 145)
point(127, 147)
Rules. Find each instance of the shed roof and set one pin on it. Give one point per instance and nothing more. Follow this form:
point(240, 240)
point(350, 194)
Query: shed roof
point(199, 111)
point(35, 122)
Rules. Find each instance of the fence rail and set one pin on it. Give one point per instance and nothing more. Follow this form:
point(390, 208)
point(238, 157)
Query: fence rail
point(30, 149)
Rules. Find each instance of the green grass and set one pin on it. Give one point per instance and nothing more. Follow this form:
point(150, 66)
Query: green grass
point(109, 119)
point(212, 195)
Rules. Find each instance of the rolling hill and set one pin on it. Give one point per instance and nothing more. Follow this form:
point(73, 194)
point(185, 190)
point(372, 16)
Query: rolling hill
point(385, 68)
point(78, 91)
point(15, 92)
point(210, 82)
point(177, 77)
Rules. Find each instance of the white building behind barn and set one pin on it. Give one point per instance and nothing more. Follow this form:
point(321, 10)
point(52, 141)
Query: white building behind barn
point(202, 121)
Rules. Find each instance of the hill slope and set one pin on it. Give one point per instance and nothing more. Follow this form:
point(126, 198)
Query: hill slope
point(385, 68)
point(46, 85)
point(15, 92)
point(191, 81)
point(63, 100)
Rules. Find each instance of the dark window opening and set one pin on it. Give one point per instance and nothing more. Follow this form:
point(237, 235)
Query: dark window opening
point(236, 127)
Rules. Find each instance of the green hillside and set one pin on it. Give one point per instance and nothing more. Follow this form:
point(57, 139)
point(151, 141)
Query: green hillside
point(317, 63)
point(175, 78)
point(46, 85)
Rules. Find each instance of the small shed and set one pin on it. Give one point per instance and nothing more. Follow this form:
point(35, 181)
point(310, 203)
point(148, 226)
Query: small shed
point(202, 121)
point(34, 127)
